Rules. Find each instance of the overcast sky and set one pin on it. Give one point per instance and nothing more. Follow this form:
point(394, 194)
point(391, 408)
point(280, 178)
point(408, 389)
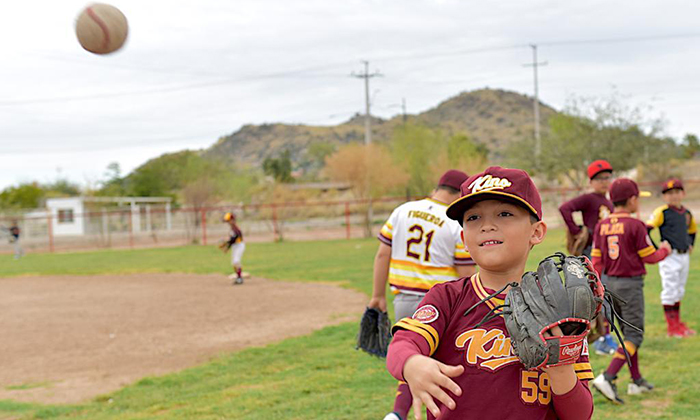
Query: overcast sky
point(192, 71)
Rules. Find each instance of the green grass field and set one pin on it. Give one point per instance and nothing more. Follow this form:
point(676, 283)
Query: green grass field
point(321, 376)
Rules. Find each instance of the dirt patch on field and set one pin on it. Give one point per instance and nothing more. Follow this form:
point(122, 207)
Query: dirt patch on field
point(68, 339)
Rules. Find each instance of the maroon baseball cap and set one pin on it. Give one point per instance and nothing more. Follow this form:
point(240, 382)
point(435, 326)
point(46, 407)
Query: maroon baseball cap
point(597, 167)
point(672, 184)
point(453, 178)
point(623, 188)
point(499, 183)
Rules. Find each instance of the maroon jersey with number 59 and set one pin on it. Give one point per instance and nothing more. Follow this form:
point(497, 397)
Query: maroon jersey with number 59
point(495, 385)
point(621, 241)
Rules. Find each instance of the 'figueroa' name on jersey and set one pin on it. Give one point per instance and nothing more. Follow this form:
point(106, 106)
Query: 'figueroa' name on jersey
point(425, 246)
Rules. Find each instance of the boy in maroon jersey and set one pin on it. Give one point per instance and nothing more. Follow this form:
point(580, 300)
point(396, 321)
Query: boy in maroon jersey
point(459, 371)
point(594, 207)
point(621, 247)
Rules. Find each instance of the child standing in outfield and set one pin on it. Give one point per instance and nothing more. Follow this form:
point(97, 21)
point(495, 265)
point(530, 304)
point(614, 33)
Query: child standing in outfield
point(460, 371)
point(594, 207)
point(237, 246)
point(621, 247)
point(14, 240)
point(677, 226)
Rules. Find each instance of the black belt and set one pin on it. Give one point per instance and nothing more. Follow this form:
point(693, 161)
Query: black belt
point(681, 251)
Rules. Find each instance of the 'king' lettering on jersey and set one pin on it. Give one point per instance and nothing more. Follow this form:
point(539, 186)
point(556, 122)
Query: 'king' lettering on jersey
point(494, 384)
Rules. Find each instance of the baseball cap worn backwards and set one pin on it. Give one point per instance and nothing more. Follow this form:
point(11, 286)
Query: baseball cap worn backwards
point(597, 167)
point(623, 188)
point(453, 179)
point(497, 183)
point(672, 184)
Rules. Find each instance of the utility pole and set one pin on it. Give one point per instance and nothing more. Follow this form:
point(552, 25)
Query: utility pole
point(368, 138)
point(403, 109)
point(366, 75)
point(536, 100)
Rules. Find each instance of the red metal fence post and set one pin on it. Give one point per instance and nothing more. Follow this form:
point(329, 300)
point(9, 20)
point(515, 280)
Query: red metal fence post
point(204, 226)
point(274, 222)
point(49, 220)
point(347, 220)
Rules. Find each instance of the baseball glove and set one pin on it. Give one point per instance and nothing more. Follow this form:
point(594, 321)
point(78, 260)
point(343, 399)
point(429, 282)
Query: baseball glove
point(564, 292)
point(224, 245)
point(575, 244)
point(375, 332)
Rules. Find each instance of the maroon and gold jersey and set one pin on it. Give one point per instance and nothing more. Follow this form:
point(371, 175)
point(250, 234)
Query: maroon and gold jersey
point(494, 383)
point(621, 241)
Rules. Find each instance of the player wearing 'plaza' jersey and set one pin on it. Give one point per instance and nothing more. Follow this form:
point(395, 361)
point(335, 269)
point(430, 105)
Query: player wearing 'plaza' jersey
point(621, 247)
point(425, 246)
point(440, 329)
point(622, 234)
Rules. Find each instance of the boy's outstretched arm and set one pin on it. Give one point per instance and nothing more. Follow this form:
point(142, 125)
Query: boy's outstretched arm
point(426, 377)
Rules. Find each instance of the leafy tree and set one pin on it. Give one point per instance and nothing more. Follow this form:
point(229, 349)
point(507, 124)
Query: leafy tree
point(591, 129)
point(279, 168)
point(425, 154)
point(23, 196)
point(369, 170)
point(691, 146)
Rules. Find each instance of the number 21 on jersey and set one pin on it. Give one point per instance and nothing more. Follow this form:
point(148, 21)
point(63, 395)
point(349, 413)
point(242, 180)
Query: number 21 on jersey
point(417, 239)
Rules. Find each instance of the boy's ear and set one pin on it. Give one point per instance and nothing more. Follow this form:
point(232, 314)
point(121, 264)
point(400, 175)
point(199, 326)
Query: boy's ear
point(539, 230)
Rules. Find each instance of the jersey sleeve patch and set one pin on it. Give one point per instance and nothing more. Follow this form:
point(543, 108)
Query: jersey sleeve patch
point(426, 314)
point(426, 331)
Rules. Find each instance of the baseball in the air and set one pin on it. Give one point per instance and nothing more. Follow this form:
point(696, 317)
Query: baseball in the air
point(101, 28)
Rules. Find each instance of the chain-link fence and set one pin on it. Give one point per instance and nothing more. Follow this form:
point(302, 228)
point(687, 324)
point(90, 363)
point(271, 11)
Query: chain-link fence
point(159, 225)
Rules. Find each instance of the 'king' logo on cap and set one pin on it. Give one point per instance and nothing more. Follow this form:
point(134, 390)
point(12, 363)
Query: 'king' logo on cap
point(488, 182)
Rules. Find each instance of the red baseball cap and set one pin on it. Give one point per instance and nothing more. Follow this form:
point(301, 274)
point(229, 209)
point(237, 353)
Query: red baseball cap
point(672, 184)
point(597, 167)
point(499, 183)
point(623, 188)
point(453, 178)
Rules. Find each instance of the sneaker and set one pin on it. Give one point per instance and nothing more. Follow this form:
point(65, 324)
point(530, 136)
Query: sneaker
point(392, 416)
point(639, 386)
point(685, 330)
point(603, 348)
point(239, 280)
point(610, 341)
point(607, 388)
point(676, 332)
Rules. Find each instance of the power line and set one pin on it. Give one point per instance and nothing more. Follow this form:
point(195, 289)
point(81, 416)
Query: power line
point(304, 72)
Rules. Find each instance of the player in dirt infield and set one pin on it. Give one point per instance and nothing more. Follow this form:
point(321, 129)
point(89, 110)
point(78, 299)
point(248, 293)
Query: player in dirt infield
point(460, 363)
point(594, 207)
point(677, 226)
point(419, 248)
point(621, 247)
point(237, 246)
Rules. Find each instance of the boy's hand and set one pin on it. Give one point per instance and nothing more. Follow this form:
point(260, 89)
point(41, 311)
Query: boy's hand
point(426, 379)
point(665, 245)
point(690, 249)
point(562, 378)
point(378, 302)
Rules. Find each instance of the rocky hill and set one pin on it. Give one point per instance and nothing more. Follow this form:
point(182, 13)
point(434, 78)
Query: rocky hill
point(491, 117)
